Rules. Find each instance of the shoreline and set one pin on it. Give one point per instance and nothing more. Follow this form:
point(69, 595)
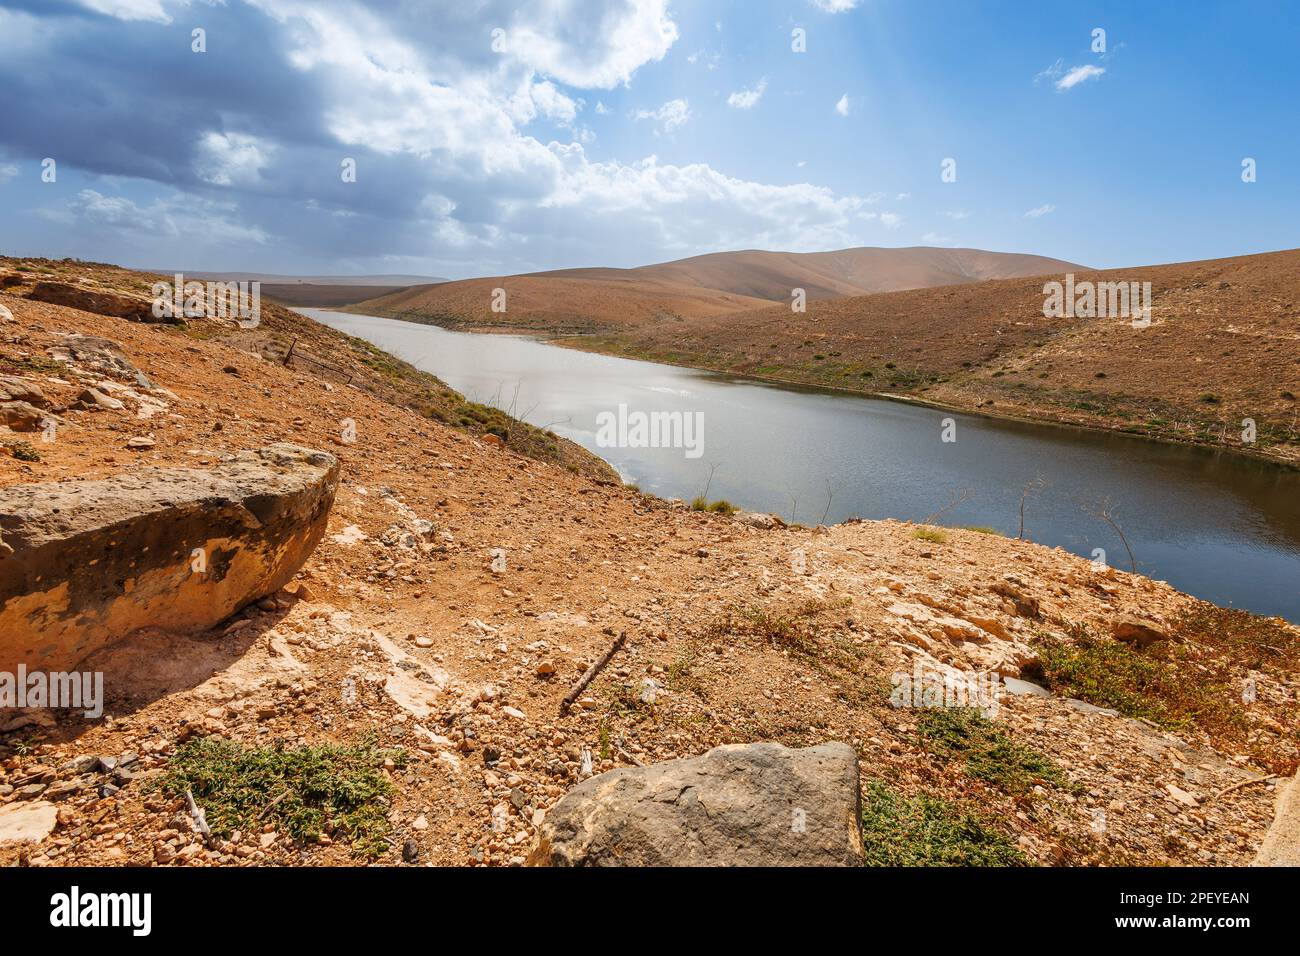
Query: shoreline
point(570, 340)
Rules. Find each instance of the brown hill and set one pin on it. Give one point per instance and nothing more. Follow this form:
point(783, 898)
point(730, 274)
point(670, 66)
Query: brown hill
point(312, 296)
point(559, 304)
point(586, 300)
point(832, 275)
point(1224, 345)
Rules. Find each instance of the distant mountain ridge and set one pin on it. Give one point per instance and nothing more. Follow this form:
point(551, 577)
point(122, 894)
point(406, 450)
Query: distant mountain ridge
point(274, 279)
point(835, 274)
point(592, 299)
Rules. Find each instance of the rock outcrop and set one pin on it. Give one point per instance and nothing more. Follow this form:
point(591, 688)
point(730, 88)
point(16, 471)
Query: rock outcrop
point(88, 563)
point(1281, 846)
point(24, 822)
point(98, 301)
point(95, 353)
point(737, 805)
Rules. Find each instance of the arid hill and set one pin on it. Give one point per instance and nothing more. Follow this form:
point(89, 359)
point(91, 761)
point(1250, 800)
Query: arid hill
point(543, 303)
point(833, 275)
point(284, 337)
point(593, 300)
point(1223, 346)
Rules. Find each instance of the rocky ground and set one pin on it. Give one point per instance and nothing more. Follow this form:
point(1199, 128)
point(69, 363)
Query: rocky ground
point(462, 588)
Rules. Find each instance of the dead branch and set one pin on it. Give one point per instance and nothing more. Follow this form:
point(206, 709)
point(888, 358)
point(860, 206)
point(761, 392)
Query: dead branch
point(1103, 512)
point(957, 499)
point(200, 818)
point(1031, 487)
point(1244, 783)
point(592, 671)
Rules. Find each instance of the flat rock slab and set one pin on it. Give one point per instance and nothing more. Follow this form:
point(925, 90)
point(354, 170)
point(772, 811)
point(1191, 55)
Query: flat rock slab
point(85, 564)
point(27, 822)
point(737, 805)
point(1281, 846)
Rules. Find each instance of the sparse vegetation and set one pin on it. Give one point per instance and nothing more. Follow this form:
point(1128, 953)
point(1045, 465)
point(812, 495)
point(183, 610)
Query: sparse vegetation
point(797, 630)
point(1195, 680)
point(303, 792)
point(721, 506)
point(23, 450)
point(932, 535)
point(929, 831)
point(985, 750)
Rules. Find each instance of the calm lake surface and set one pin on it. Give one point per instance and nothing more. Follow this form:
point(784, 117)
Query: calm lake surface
point(1221, 527)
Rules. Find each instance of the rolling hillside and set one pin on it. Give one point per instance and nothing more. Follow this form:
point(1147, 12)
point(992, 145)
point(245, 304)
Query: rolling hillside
point(598, 299)
point(1223, 346)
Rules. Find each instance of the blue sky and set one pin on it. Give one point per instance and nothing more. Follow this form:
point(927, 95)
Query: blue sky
point(620, 132)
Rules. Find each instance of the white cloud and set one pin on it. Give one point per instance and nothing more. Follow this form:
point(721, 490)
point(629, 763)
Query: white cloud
point(7, 172)
point(901, 196)
point(934, 239)
point(957, 214)
point(597, 48)
point(748, 99)
point(834, 6)
point(690, 208)
point(129, 9)
point(452, 178)
point(1064, 79)
point(231, 159)
point(179, 217)
point(1038, 211)
point(669, 117)
point(1077, 75)
point(842, 107)
point(547, 100)
point(601, 108)
point(710, 60)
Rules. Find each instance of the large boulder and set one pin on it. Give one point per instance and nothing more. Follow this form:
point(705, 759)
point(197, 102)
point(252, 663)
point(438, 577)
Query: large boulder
point(14, 389)
point(1138, 632)
point(83, 564)
point(91, 352)
point(738, 805)
point(21, 416)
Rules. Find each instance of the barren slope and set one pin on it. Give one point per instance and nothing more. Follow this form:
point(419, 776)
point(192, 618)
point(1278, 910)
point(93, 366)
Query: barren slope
point(558, 304)
point(1224, 345)
point(285, 337)
point(589, 300)
point(842, 272)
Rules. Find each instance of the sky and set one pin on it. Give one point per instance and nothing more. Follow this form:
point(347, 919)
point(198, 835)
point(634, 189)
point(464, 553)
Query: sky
point(491, 137)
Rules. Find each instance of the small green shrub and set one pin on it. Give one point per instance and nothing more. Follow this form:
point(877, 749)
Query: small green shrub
point(986, 751)
point(929, 831)
point(300, 791)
